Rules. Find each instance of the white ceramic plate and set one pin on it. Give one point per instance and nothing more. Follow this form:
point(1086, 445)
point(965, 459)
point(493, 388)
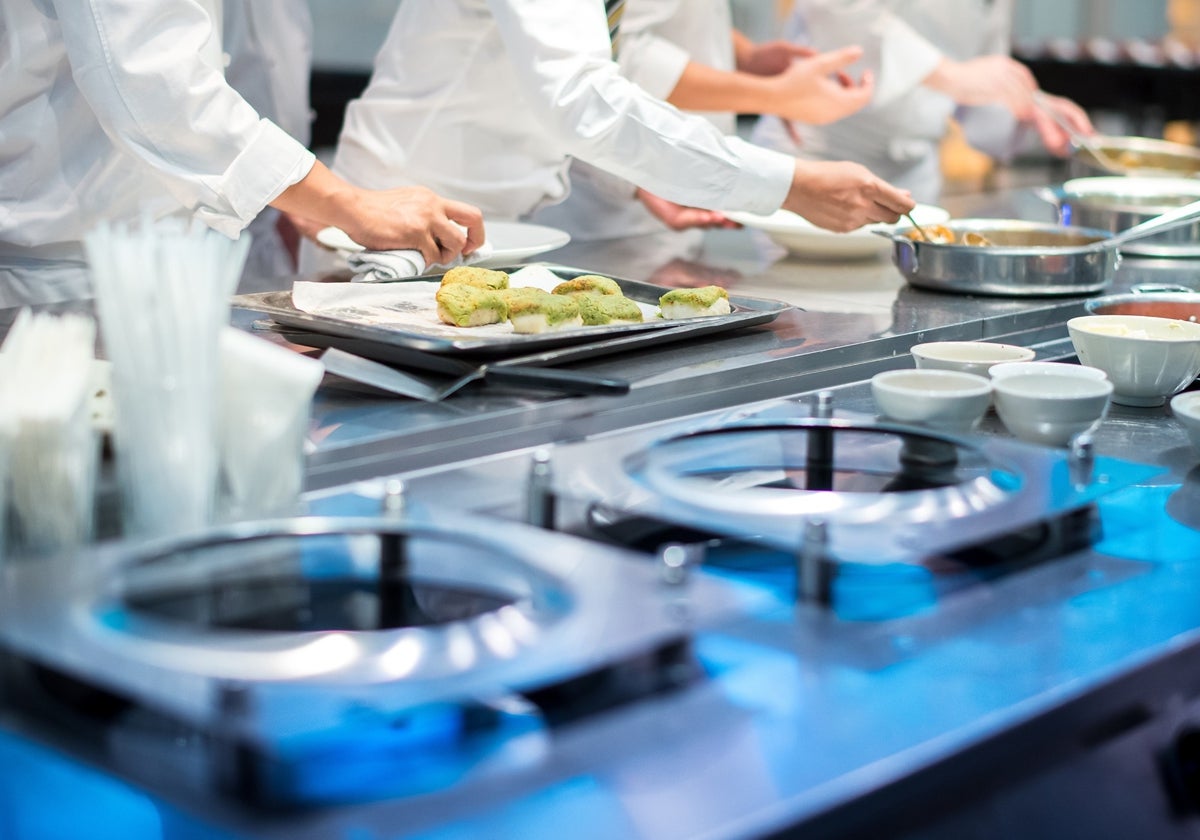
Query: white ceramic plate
point(801, 237)
point(511, 241)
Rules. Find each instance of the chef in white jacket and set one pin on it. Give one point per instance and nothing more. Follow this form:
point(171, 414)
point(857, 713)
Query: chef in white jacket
point(487, 101)
point(688, 53)
point(110, 109)
point(269, 49)
point(932, 59)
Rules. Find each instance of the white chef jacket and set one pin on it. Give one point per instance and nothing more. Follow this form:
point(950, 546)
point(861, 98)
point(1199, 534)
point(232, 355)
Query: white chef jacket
point(269, 49)
point(898, 134)
point(658, 39)
point(448, 108)
point(111, 108)
point(269, 45)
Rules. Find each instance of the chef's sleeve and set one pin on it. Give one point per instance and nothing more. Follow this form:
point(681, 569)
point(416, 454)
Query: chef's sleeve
point(652, 63)
point(648, 60)
point(596, 115)
point(139, 64)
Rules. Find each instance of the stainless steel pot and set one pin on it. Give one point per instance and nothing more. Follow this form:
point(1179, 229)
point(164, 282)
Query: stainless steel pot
point(1136, 156)
point(1027, 259)
point(1115, 204)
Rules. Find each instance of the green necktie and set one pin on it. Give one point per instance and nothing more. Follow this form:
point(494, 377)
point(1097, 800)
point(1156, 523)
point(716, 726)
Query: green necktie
point(614, 9)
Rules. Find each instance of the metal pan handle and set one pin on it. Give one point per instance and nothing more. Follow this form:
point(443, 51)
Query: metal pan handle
point(909, 263)
point(900, 242)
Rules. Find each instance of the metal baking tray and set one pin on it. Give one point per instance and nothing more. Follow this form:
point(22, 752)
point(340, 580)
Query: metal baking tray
point(374, 340)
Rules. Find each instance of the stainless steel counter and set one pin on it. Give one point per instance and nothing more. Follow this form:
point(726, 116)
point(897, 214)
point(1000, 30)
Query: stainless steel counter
point(1035, 704)
point(853, 319)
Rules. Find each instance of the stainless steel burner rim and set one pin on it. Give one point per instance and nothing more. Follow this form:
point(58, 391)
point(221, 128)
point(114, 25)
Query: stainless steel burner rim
point(620, 613)
point(845, 507)
point(351, 655)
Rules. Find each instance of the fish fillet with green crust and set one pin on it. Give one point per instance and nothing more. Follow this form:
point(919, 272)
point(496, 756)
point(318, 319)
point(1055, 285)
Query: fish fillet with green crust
point(694, 303)
point(598, 310)
point(469, 306)
point(543, 313)
point(592, 283)
point(470, 275)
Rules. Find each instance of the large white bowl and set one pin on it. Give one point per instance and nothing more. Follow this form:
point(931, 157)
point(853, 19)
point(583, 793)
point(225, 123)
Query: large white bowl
point(967, 356)
point(1050, 408)
point(1045, 368)
point(941, 399)
point(1147, 358)
point(801, 237)
point(1186, 408)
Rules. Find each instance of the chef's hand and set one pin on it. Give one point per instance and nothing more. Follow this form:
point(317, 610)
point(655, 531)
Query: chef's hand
point(680, 217)
point(843, 196)
point(1054, 137)
point(818, 90)
point(769, 58)
point(383, 220)
point(987, 80)
point(415, 217)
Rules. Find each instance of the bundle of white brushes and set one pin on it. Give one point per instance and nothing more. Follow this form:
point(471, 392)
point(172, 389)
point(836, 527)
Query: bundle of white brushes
point(46, 432)
point(162, 293)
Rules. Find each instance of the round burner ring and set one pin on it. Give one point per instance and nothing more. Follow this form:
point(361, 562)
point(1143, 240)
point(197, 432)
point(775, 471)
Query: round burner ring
point(237, 601)
point(841, 470)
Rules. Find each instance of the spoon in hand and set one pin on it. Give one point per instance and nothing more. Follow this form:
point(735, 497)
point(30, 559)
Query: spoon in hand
point(918, 228)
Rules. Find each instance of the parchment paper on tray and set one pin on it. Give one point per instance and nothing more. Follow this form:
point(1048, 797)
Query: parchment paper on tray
point(412, 304)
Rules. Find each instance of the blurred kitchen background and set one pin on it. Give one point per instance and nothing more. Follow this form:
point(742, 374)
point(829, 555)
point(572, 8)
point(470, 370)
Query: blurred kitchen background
point(1133, 64)
point(345, 41)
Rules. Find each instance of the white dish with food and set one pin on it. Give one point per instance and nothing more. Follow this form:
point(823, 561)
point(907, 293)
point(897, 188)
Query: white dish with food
point(802, 238)
point(947, 400)
point(975, 357)
point(1050, 408)
point(510, 242)
point(1045, 369)
point(1148, 359)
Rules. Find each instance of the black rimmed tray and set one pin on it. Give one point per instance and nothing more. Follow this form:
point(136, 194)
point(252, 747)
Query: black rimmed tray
point(397, 343)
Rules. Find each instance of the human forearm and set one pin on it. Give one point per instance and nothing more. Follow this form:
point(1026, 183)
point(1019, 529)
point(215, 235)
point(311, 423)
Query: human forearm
point(703, 88)
point(320, 196)
point(813, 90)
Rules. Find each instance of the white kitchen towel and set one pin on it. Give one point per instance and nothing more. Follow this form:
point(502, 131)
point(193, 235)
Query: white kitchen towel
point(384, 266)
